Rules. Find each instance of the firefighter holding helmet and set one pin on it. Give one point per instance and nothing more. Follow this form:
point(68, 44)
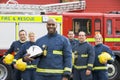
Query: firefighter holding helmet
point(103, 55)
point(27, 68)
point(13, 50)
point(56, 61)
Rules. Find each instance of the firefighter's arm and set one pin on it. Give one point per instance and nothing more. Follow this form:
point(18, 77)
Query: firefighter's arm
point(17, 56)
point(20, 55)
point(91, 57)
point(67, 56)
point(10, 50)
point(21, 52)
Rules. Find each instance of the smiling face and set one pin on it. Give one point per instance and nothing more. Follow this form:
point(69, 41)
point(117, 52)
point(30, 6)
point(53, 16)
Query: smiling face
point(22, 35)
point(71, 35)
point(98, 39)
point(51, 26)
point(82, 37)
point(31, 37)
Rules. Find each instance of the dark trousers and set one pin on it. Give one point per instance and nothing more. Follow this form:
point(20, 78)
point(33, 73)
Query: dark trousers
point(100, 75)
point(16, 74)
point(81, 75)
point(29, 74)
point(46, 77)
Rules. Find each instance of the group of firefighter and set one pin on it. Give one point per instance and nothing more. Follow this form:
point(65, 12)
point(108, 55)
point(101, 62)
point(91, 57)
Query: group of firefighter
point(61, 57)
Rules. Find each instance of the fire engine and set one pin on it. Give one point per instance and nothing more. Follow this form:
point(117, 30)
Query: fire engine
point(108, 24)
point(15, 17)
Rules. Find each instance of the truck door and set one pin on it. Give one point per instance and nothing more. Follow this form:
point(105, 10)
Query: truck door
point(112, 39)
point(112, 31)
point(116, 34)
point(109, 31)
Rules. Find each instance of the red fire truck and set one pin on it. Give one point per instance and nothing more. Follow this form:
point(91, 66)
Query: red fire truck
point(107, 24)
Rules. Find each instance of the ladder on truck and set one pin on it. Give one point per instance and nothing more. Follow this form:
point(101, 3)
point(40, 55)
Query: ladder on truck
point(38, 9)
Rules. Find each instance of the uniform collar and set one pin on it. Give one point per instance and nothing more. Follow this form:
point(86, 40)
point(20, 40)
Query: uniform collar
point(82, 42)
point(71, 40)
point(52, 35)
point(32, 42)
point(22, 41)
point(98, 45)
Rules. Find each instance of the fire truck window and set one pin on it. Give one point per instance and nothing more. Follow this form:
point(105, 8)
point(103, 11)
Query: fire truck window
point(117, 27)
point(97, 25)
point(109, 27)
point(82, 25)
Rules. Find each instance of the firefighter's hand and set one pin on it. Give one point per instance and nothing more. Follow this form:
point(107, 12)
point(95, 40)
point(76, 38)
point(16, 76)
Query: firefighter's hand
point(3, 61)
point(88, 72)
point(26, 58)
point(15, 66)
point(64, 78)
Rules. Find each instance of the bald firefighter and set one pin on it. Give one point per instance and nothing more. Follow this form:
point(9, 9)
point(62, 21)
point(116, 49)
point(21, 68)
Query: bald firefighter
point(56, 61)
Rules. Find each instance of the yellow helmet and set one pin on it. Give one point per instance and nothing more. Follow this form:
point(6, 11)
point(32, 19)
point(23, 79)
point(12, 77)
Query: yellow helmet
point(104, 57)
point(8, 59)
point(21, 65)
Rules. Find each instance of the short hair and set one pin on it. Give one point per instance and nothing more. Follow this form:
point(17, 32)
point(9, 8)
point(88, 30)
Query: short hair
point(98, 35)
point(83, 32)
point(31, 33)
point(22, 30)
point(70, 31)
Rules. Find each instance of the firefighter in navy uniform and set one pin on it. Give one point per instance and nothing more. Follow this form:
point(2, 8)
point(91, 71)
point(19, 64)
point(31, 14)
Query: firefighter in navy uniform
point(71, 38)
point(56, 61)
point(73, 42)
point(29, 72)
point(84, 59)
point(15, 47)
point(100, 65)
